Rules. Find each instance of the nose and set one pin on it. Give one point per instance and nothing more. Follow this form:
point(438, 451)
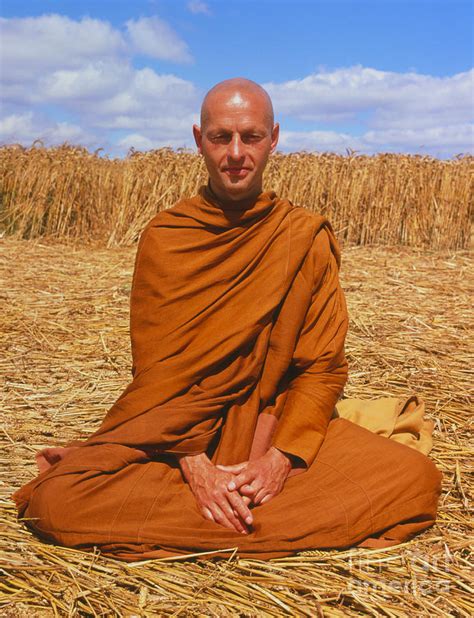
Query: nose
point(235, 150)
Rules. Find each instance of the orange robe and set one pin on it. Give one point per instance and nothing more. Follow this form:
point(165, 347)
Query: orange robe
point(235, 313)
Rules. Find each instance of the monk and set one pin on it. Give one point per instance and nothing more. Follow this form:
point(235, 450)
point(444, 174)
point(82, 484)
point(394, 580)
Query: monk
point(233, 432)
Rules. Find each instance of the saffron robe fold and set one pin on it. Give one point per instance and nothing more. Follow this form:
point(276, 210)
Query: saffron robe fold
point(237, 316)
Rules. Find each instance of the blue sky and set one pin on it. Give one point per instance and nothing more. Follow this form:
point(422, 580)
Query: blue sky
point(370, 75)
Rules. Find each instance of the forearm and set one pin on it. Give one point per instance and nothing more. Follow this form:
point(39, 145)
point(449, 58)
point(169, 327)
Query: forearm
point(308, 409)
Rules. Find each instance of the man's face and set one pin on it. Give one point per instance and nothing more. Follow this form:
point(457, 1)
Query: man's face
point(236, 140)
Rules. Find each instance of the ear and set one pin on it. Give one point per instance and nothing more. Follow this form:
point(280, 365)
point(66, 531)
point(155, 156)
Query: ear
point(275, 136)
point(197, 137)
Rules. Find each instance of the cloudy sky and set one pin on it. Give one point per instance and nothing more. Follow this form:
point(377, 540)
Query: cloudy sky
point(370, 75)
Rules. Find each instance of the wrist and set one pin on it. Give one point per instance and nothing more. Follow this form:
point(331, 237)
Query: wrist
point(285, 457)
point(190, 463)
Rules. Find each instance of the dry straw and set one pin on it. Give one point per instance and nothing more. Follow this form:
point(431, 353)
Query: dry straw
point(68, 193)
point(66, 358)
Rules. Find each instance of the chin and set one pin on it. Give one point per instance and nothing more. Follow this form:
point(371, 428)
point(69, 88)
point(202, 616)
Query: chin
point(238, 193)
point(239, 186)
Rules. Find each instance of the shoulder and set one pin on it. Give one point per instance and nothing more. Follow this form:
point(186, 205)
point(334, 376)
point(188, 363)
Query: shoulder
point(166, 218)
point(325, 249)
point(305, 214)
point(324, 236)
point(167, 215)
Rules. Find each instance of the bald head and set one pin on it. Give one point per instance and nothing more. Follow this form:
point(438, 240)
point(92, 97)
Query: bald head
point(237, 93)
point(236, 137)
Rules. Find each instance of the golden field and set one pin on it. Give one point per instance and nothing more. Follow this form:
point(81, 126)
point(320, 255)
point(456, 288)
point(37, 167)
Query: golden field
point(69, 221)
point(68, 193)
point(64, 332)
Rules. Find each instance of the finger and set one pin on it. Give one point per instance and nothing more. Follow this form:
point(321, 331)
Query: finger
point(207, 513)
point(244, 478)
point(266, 498)
point(247, 490)
point(239, 505)
point(259, 495)
point(235, 468)
point(226, 507)
point(221, 518)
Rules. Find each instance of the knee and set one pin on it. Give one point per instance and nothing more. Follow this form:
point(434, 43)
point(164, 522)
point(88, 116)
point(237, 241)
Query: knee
point(422, 472)
point(48, 511)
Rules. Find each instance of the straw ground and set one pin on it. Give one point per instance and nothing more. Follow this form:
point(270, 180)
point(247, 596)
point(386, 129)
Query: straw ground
point(66, 358)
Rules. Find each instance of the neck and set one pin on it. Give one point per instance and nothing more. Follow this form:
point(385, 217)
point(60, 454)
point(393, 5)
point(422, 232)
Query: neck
point(231, 204)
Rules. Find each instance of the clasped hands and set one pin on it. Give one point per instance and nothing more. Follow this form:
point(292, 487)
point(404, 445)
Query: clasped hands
point(225, 493)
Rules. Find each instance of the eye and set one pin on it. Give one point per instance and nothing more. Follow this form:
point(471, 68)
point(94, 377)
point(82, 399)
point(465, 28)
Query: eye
point(252, 137)
point(219, 138)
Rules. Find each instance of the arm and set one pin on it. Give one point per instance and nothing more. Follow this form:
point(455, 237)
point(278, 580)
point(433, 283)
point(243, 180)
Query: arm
point(319, 362)
point(318, 375)
point(262, 442)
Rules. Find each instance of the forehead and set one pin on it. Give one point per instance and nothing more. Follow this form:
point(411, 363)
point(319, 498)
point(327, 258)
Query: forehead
point(229, 116)
point(229, 108)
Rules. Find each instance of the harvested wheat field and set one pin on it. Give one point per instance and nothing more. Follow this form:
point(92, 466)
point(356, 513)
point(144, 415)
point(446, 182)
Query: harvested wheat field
point(66, 359)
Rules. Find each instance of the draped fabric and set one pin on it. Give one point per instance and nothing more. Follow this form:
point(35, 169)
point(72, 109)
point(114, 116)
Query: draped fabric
point(237, 323)
point(399, 418)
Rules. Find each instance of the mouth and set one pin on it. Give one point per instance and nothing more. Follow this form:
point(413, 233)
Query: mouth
point(238, 172)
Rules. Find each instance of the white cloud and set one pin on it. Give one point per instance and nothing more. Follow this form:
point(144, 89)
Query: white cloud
point(400, 111)
point(49, 42)
point(155, 38)
point(93, 80)
point(452, 138)
point(147, 100)
point(171, 123)
point(318, 141)
point(137, 141)
point(443, 141)
point(342, 94)
point(33, 45)
point(142, 142)
point(28, 127)
point(196, 6)
point(83, 69)
point(98, 86)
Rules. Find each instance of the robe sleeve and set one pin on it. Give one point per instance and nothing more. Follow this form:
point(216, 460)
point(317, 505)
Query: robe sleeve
point(319, 364)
